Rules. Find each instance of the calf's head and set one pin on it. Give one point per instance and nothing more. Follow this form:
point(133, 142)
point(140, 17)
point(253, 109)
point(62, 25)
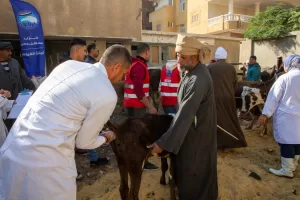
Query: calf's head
point(141, 131)
point(251, 97)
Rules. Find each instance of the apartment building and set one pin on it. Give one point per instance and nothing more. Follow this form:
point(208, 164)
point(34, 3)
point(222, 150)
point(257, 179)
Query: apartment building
point(169, 16)
point(220, 17)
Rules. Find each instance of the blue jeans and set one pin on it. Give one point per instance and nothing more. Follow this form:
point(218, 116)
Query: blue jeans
point(289, 150)
point(170, 109)
point(92, 155)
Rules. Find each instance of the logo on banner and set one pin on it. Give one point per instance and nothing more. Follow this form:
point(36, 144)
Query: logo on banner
point(27, 20)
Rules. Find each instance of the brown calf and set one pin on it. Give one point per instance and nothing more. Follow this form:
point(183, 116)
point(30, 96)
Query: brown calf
point(130, 147)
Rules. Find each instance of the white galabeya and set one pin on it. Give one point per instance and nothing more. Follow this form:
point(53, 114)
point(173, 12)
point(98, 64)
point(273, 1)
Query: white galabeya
point(287, 167)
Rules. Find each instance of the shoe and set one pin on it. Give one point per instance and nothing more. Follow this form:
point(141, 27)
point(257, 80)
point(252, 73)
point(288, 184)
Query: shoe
point(296, 159)
point(150, 166)
point(287, 167)
point(79, 176)
point(100, 161)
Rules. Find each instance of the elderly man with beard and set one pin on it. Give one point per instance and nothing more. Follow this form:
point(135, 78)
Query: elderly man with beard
point(192, 136)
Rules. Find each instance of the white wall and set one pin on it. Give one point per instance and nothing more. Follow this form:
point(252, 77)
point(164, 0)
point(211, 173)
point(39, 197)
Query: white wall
point(267, 51)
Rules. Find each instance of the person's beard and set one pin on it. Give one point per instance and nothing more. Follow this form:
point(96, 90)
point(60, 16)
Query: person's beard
point(187, 67)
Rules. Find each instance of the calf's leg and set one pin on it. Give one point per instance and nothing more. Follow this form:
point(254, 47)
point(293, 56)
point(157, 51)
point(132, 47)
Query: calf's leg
point(124, 189)
point(251, 124)
point(121, 160)
point(164, 168)
point(172, 179)
point(135, 171)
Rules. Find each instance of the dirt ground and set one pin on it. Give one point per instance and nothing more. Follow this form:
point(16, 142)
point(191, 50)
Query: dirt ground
point(234, 167)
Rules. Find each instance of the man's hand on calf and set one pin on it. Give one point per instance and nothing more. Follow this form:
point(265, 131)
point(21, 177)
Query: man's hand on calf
point(156, 149)
point(109, 135)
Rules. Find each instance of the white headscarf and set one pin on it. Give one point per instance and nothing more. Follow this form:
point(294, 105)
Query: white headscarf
point(292, 62)
point(171, 64)
point(221, 53)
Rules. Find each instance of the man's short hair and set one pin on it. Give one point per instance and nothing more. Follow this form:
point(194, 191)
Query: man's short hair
point(254, 57)
point(91, 46)
point(77, 41)
point(116, 54)
point(141, 48)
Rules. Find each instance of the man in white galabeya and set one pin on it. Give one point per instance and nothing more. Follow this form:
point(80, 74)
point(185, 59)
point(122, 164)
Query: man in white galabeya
point(69, 108)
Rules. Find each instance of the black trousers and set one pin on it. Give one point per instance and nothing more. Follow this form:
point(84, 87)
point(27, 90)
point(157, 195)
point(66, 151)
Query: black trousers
point(289, 150)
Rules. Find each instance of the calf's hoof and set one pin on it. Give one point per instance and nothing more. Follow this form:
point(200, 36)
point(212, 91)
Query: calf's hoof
point(162, 181)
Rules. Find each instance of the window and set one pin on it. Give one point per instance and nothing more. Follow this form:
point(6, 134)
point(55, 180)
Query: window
point(182, 28)
point(182, 5)
point(170, 24)
point(194, 18)
point(171, 2)
point(158, 27)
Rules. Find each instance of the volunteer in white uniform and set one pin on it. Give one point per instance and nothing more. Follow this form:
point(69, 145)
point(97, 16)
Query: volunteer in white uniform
point(69, 108)
point(283, 103)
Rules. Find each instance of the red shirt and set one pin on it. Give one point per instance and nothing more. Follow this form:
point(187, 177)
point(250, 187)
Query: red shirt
point(137, 75)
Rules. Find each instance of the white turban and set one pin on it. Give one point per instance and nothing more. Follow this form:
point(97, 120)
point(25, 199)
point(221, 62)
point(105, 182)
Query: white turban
point(221, 53)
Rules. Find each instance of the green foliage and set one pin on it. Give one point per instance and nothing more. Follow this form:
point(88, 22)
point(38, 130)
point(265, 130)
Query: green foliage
point(295, 18)
point(273, 23)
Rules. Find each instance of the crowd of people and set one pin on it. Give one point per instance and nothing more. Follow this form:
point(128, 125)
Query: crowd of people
point(70, 108)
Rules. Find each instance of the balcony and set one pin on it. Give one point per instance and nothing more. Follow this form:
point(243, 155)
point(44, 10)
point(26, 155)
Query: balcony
point(228, 21)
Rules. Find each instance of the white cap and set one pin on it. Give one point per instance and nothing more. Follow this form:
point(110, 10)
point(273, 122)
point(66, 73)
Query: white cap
point(221, 53)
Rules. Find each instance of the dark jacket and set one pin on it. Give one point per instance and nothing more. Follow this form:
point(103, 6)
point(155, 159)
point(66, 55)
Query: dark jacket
point(90, 59)
point(14, 80)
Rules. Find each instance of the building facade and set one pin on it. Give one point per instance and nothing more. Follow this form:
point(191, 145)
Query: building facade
point(163, 46)
point(220, 17)
point(105, 22)
point(169, 16)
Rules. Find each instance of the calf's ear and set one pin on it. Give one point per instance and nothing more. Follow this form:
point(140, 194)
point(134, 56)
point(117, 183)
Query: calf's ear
point(111, 125)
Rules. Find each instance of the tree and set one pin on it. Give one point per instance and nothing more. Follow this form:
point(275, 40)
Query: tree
point(275, 22)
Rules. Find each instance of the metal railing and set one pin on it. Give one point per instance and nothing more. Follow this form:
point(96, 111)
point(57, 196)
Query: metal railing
point(228, 18)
